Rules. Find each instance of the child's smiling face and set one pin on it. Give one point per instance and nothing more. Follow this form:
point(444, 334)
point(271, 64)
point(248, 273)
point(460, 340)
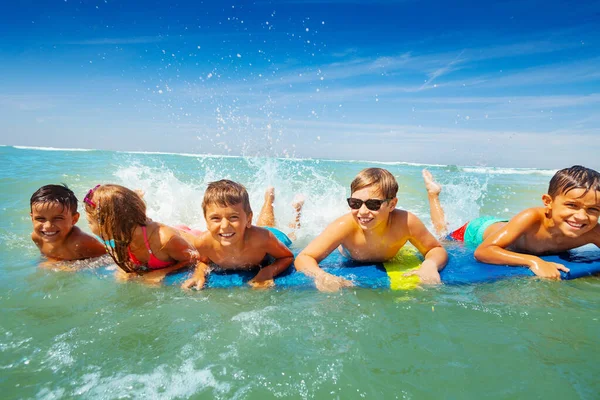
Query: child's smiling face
point(227, 224)
point(369, 219)
point(52, 222)
point(574, 212)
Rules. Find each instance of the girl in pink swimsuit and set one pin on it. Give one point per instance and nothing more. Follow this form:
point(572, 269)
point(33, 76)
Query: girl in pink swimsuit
point(141, 246)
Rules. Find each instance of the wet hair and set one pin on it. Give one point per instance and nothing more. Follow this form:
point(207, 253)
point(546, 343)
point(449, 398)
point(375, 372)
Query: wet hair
point(118, 212)
point(380, 178)
point(59, 194)
point(575, 177)
point(226, 193)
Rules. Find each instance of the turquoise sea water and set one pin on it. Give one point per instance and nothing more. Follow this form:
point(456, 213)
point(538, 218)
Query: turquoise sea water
point(77, 335)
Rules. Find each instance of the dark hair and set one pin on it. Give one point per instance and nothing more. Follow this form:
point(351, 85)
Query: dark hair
point(381, 179)
point(576, 177)
point(59, 194)
point(226, 193)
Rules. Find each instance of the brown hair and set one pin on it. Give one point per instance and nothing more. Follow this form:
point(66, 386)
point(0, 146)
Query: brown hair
point(118, 212)
point(59, 194)
point(226, 193)
point(576, 177)
point(381, 178)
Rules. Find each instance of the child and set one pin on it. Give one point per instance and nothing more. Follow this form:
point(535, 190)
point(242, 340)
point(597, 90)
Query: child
point(568, 219)
point(232, 242)
point(139, 245)
point(373, 231)
point(53, 211)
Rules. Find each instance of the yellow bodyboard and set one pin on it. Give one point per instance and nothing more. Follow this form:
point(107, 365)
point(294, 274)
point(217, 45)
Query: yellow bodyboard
point(405, 261)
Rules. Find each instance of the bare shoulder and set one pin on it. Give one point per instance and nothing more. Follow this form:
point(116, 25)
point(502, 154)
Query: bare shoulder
point(77, 236)
point(36, 239)
point(595, 235)
point(402, 219)
point(345, 223)
point(204, 241)
point(529, 217)
point(258, 236)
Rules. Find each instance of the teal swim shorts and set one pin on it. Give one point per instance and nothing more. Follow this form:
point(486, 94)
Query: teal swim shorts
point(476, 228)
point(282, 237)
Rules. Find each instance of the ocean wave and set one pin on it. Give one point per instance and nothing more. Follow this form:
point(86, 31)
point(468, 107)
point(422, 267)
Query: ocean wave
point(508, 171)
point(179, 154)
point(410, 164)
point(49, 148)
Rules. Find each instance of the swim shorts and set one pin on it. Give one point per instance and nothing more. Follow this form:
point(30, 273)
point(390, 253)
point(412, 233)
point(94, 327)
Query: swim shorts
point(282, 237)
point(472, 232)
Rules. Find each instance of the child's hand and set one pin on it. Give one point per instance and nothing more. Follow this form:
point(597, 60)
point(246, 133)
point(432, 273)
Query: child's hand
point(123, 276)
point(330, 283)
point(545, 269)
point(427, 272)
point(261, 284)
point(195, 282)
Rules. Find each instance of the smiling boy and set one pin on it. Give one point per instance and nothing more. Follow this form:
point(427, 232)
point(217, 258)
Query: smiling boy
point(231, 242)
point(373, 231)
point(568, 219)
point(53, 211)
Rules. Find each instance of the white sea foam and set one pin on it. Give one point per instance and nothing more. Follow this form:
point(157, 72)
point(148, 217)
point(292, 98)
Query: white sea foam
point(173, 201)
point(472, 169)
point(50, 148)
point(168, 199)
point(257, 322)
point(508, 171)
point(163, 382)
point(179, 154)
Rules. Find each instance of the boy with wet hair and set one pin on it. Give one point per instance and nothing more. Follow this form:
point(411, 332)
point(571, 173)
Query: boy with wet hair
point(568, 219)
point(232, 242)
point(373, 231)
point(53, 211)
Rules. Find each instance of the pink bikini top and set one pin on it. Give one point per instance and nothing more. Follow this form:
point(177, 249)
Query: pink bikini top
point(153, 262)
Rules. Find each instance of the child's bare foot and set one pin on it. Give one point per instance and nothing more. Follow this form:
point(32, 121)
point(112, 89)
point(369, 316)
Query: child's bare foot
point(430, 184)
point(266, 217)
point(298, 202)
point(270, 195)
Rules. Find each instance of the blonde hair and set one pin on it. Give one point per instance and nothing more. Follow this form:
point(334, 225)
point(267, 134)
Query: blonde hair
point(118, 212)
point(226, 193)
point(380, 178)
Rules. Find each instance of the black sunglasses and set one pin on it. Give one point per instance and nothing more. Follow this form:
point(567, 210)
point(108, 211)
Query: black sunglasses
point(372, 204)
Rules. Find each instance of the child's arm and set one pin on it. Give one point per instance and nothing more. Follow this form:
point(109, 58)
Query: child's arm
point(283, 258)
point(198, 277)
point(493, 249)
point(179, 250)
point(309, 258)
point(435, 255)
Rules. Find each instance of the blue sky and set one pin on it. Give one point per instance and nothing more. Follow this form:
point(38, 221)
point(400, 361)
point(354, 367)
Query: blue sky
point(507, 83)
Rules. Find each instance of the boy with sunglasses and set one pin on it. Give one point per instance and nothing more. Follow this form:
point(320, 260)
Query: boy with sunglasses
point(53, 211)
point(373, 231)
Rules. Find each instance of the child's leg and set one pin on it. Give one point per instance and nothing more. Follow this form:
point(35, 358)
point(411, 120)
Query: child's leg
point(438, 218)
point(267, 215)
point(297, 203)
